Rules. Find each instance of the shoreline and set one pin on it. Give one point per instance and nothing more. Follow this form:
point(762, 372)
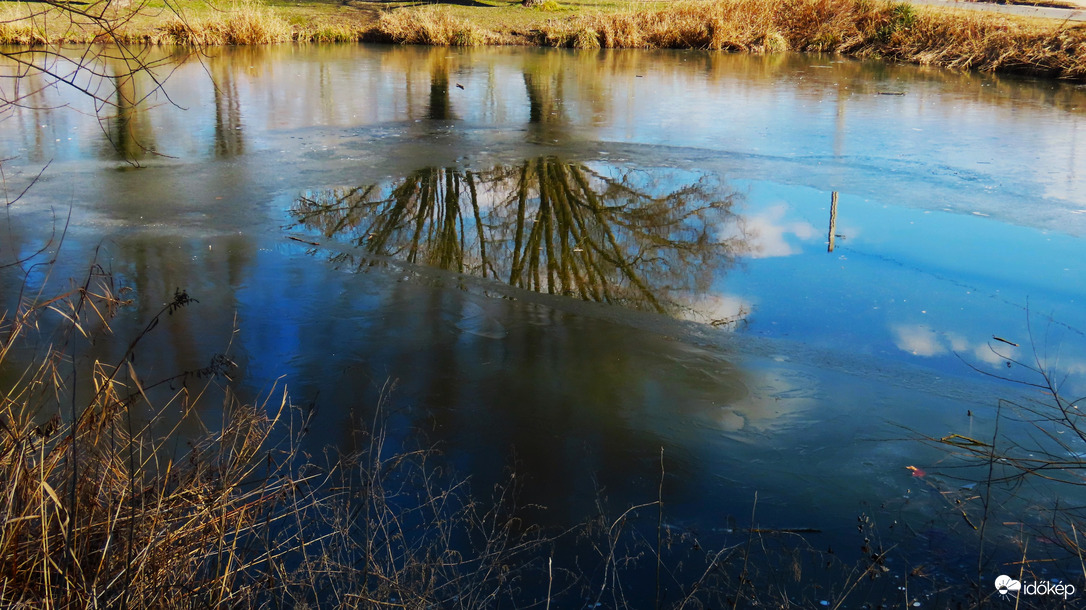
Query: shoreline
point(920, 34)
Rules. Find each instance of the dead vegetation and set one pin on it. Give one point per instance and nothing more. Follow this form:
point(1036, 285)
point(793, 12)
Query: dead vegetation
point(96, 511)
point(244, 24)
point(972, 40)
point(432, 26)
point(99, 507)
point(859, 28)
point(103, 503)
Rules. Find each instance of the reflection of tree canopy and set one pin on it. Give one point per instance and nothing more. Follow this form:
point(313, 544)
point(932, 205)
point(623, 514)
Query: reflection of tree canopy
point(546, 225)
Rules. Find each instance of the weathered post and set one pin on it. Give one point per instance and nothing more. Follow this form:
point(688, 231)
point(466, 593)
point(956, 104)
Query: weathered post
point(833, 220)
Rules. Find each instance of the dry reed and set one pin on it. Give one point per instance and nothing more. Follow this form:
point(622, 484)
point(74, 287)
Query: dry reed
point(862, 28)
point(17, 28)
point(430, 25)
point(245, 23)
point(96, 509)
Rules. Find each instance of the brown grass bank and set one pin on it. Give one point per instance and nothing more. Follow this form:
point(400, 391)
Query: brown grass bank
point(859, 28)
point(895, 31)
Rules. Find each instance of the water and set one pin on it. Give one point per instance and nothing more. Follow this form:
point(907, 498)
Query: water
point(572, 260)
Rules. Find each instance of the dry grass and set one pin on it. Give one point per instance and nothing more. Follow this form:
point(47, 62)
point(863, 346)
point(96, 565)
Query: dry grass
point(29, 24)
point(97, 509)
point(243, 24)
point(863, 28)
point(433, 26)
point(730, 25)
point(17, 28)
point(969, 41)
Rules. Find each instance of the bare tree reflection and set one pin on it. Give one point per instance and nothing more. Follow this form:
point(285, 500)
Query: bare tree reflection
point(229, 136)
point(546, 225)
point(128, 128)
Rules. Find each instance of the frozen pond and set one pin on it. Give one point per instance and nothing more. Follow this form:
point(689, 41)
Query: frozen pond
point(570, 260)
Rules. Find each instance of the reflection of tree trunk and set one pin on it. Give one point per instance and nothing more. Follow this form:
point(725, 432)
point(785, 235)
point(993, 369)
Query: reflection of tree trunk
point(564, 214)
point(474, 195)
point(128, 130)
point(535, 98)
point(543, 88)
point(522, 200)
point(229, 138)
point(120, 125)
point(440, 108)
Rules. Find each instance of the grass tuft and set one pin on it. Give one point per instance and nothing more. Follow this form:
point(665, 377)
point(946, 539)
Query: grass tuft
point(586, 38)
point(433, 26)
point(17, 28)
point(330, 32)
point(547, 6)
point(245, 23)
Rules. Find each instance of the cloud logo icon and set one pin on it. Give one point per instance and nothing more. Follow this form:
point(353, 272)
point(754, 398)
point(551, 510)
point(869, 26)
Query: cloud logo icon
point(1005, 584)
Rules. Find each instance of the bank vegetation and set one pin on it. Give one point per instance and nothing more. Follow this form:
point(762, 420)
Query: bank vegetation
point(119, 489)
point(896, 31)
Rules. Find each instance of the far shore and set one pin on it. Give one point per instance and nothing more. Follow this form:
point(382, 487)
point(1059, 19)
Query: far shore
point(926, 34)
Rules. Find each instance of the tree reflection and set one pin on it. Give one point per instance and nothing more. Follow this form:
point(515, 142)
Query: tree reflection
point(440, 107)
point(546, 225)
point(128, 129)
point(543, 84)
point(229, 136)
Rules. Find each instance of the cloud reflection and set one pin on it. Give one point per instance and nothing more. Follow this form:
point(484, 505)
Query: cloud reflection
point(918, 340)
point(771, 235)
point(922, 340)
